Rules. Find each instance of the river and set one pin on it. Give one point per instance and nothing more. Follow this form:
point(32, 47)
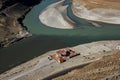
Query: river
point(46, 38)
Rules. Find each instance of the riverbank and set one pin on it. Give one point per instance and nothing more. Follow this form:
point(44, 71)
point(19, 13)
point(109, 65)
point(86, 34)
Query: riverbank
point(12, 13)
point(55, 15)
point(107, 68)
point(39, 67)
point(97, 11)
point(9, 17)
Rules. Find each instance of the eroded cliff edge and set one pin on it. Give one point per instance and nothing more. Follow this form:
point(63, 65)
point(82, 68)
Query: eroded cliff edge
point(12, 13)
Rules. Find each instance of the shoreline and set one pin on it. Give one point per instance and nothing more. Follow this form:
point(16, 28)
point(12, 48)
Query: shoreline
point(62, 20)
point(41, 65)
point(12, 16)
point(94, 15)
point(21, 31)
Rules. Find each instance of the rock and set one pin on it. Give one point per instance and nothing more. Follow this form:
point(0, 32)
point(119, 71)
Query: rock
point(12, 13)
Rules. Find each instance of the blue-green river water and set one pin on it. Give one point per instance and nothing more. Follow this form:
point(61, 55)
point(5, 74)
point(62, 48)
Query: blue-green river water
point(46, 38)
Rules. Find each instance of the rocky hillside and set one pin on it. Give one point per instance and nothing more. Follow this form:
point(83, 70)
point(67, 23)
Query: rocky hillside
point(11, 14)
point(107, 68)
point(107, 11)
